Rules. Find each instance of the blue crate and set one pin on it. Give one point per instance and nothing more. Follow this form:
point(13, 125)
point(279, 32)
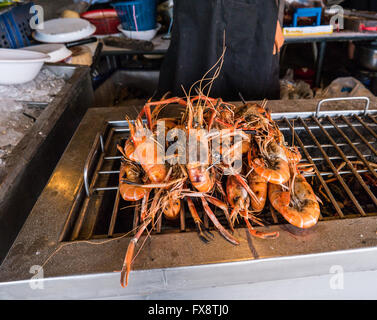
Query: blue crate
point(308, 12)
point(6, 38)
point(139, 15)
point(21, 23)
point(15, 31)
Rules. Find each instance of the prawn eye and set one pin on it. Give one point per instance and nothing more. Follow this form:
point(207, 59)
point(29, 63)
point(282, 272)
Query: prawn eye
point(198, 178)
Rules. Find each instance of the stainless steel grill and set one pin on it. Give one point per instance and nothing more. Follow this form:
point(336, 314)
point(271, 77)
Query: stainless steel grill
point(341, 146)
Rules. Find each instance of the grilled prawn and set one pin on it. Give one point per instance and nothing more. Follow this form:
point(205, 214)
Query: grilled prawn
point(300, 206)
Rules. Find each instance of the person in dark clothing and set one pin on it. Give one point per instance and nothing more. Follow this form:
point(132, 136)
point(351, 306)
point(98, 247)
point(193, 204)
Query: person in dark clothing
point(252, 39)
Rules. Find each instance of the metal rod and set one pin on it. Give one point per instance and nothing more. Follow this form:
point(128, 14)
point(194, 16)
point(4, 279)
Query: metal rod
point(339, 158)
point(159, 222)
point(315, 127)
point(366, 127)
point(343, 99)
point(114, 214)
point(331, 146)
point(81, 218)
point(113, 158)
point(324, 174)
point(122, 130)
point(373, 119)
point(360, 136)
point(73, 212)
point(306, 147)
point(350, 165)
point(109, 172)
point(105, 188)
point(323, 183)
point(306, 115)
point(100, 162)
point(329, 162)
point(88, 164)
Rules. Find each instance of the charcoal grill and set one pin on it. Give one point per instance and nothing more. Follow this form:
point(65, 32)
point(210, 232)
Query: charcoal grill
point(81, 214)
point(326, 141)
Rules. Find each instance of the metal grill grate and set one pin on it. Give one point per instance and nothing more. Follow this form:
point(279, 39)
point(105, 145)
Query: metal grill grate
point(341, 145)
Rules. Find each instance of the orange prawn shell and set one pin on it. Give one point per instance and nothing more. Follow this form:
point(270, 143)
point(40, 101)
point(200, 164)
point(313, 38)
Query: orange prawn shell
point(200, 177)
point(153, 164)
point(171, 212)
point(306, 216)
point(259, 186)
point(129, 151)
point(293, 155)
point(127, 191)
point(279, 175)
point(236, 193)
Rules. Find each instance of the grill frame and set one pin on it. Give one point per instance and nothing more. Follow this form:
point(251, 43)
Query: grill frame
point(97, 156)
point(351, 243)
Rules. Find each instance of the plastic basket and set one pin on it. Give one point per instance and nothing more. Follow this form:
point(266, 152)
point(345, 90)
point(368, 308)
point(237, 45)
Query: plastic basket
point(137, 15)
point(106, 21)
point(15, 28)
point(6, 38)
point(21, 16)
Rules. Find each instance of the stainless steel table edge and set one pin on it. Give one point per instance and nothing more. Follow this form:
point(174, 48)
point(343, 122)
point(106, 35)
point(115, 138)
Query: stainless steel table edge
point(218, 279)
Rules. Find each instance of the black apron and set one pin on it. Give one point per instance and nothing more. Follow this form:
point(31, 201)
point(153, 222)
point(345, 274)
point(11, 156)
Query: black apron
point(249, 66)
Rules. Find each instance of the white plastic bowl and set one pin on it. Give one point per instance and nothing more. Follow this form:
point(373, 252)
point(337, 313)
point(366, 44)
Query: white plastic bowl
point(146, 35)
point(20, 66)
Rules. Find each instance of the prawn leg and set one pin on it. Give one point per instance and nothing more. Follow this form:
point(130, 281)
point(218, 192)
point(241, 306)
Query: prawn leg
point(147, 111)
point(234, 213)
point(147, 107)
point(217, 224)
point(211, 119)
point(223, 207)
point(126, 269)
point(259, 234)
point(247, 188)
point(144, 206)
point(203, 235)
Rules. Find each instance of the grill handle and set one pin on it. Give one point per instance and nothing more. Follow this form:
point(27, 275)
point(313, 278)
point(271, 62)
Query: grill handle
point(98, 142)
point(341, 99)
